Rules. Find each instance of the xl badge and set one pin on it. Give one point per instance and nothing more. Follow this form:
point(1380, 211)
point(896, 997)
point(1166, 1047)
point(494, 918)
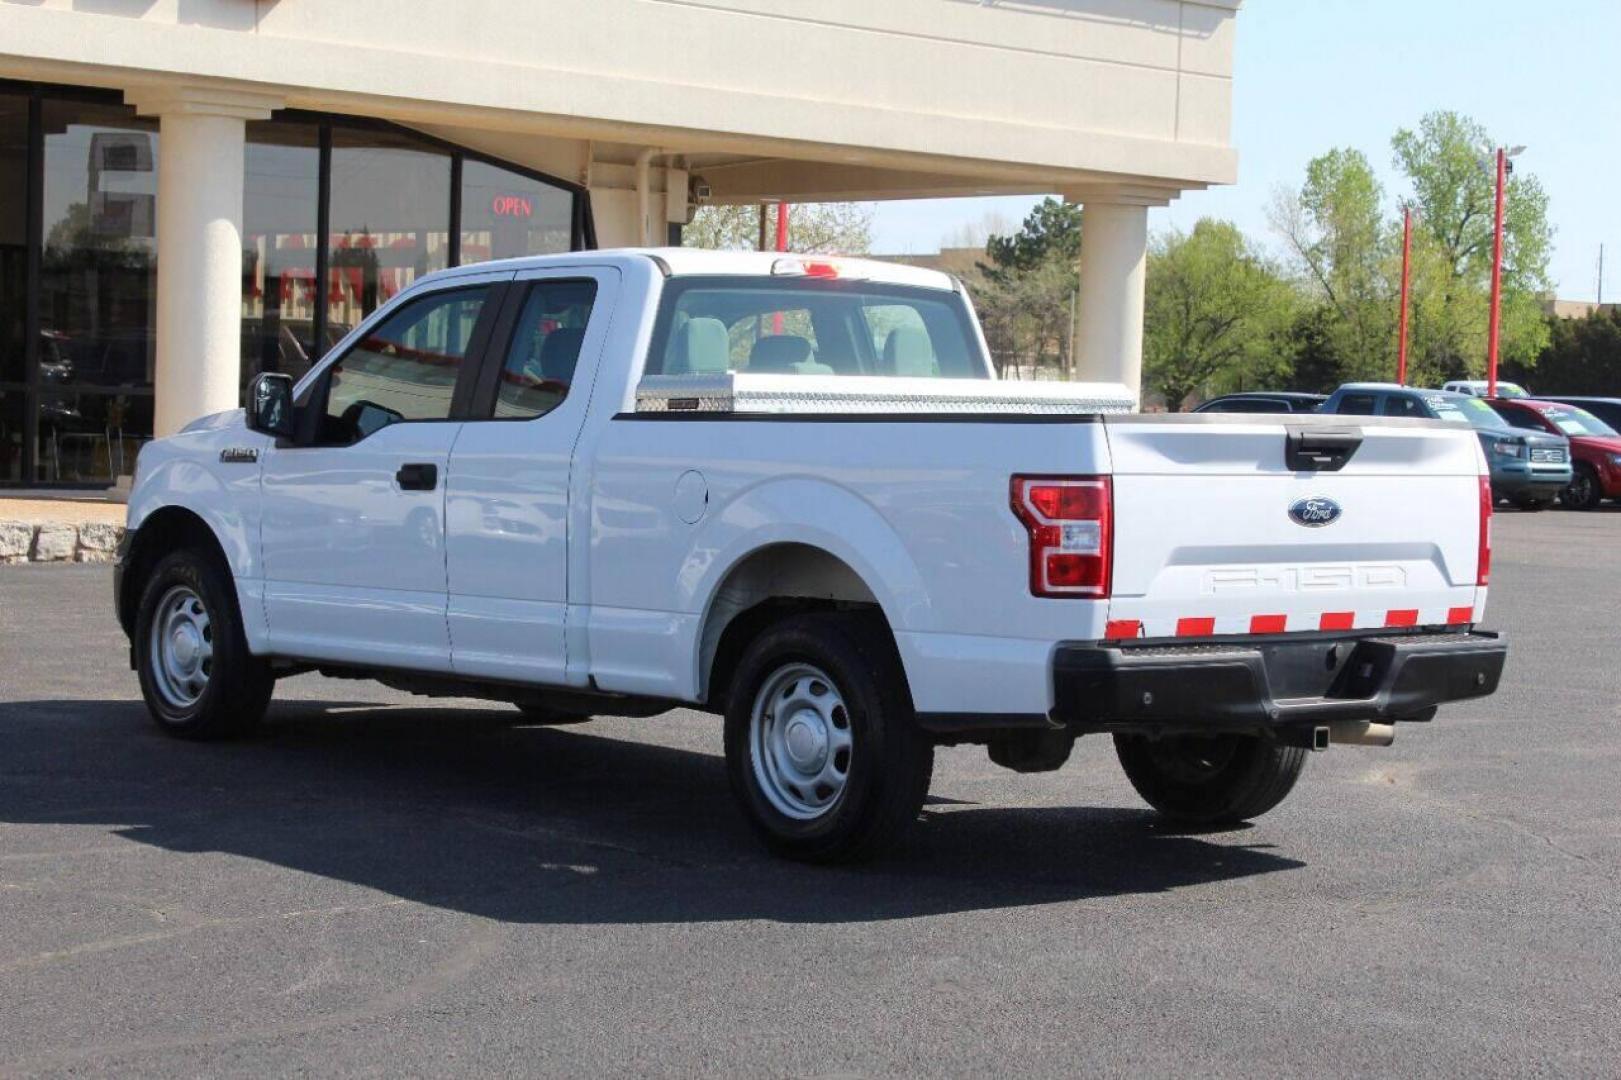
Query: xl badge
point(1314, 512)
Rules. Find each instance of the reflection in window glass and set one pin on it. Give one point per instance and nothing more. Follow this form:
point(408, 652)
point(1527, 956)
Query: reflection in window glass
point(406, 368)
point(390, 220)
point(280, 197)
point(505, 215)
point(545, 348)
point(99, 289)
point(12, 432)
point(13, 244)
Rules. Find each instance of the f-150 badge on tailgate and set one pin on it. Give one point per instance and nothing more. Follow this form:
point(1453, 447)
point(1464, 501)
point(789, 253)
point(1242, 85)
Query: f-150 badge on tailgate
point(1314, 512)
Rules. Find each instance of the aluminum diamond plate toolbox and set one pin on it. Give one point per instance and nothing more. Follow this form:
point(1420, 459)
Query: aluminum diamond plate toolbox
point(740, 392)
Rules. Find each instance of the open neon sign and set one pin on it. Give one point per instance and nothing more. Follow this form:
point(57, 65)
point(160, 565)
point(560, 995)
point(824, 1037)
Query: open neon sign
point(516, 206)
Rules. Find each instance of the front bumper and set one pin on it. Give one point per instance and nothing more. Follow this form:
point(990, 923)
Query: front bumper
point(1265, 683)
point(1514, 477)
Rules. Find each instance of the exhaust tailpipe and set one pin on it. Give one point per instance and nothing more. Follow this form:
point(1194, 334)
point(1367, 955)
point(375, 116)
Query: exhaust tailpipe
point(1361, 733)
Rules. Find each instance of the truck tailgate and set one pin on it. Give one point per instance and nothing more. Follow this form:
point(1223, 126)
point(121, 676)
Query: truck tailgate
point(1219, 529)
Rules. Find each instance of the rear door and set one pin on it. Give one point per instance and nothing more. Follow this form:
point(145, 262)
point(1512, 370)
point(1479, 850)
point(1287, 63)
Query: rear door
point(508, 494)
point(1219, 530)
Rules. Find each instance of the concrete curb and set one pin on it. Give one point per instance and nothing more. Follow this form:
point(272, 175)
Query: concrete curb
point(93, 542)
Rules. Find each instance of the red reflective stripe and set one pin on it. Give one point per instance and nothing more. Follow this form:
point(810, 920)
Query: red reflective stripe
point(1268, 624)
point(1459, 615)
point(1337, 620)
point(1123, 628)
point(1401, 617)
point(1195, 627)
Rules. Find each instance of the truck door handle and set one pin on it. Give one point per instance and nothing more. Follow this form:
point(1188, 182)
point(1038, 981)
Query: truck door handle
point(418, 476)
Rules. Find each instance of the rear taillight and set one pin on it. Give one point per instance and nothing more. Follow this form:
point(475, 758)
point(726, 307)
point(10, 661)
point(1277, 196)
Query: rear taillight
point(1483, 562)
point(1071, 543)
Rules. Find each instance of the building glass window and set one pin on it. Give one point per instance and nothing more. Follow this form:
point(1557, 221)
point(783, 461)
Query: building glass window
point(79, 261)
point(281, 197)
point(98, 290)
point(13, 283)
point(390, 220)
point(506, 214)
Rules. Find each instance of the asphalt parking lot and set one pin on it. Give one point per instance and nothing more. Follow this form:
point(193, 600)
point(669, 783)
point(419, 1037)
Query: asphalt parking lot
point(378, 885)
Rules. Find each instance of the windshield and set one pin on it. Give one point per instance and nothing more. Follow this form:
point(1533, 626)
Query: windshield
point(1474, 410)
point(710, 326)
point(1573, 421)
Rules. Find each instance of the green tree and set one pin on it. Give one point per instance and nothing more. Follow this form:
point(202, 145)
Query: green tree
point(1583, 356)
point(1335, 230)
point(813, 228)
point(1217, 313)
point(1026, 292)
point(1455, 197)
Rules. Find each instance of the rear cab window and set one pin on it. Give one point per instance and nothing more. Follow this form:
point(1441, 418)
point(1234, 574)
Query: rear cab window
point(717, 325)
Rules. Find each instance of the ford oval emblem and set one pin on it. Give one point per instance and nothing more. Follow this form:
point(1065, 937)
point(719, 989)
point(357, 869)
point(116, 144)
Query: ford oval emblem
point(1314, 512)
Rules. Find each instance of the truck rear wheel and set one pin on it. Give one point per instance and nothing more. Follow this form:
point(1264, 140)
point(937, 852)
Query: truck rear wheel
point(196, 674)
point(822, 748)
point(1210, 779)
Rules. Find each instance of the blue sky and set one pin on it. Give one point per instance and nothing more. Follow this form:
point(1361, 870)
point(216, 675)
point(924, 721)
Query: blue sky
point(1312, 74)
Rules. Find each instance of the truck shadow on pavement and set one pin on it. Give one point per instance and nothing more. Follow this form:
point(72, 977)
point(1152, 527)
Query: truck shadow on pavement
point(460, 810)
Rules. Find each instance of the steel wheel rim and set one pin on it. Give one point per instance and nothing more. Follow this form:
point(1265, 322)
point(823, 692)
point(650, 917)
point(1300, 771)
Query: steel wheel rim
point(181, 657)
point(800, 741)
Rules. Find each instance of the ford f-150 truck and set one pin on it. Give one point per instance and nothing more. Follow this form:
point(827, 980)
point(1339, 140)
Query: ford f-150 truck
point(792, 492)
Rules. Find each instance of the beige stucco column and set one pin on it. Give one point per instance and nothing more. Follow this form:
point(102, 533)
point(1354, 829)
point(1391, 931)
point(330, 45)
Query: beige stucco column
point(201, 141)
point(1108, 343)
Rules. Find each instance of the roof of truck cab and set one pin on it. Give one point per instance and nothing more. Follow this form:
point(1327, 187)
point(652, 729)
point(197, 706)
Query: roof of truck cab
point(697, 262)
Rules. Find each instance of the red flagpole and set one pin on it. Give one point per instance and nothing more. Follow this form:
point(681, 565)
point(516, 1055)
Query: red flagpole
point(1497, 278)
point(1406, 277)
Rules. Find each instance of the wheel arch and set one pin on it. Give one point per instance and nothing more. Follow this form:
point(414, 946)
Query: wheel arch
point(765, 585)
point(167, 529)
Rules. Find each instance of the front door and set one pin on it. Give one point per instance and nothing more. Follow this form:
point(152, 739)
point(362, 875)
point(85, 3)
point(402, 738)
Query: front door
point(508, 498)
point(353, 525)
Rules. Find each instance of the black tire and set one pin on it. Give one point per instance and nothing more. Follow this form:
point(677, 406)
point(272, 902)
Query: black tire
point(889, 760)
point(1584, 492)
point(237, 684)
point(1210, 780)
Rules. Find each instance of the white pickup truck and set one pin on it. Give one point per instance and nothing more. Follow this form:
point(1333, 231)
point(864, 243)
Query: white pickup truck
point(793, 492)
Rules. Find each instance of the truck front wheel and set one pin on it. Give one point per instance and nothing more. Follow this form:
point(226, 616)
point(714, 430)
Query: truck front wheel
point(822, 748)
point(196, 674)
point(1210, 779)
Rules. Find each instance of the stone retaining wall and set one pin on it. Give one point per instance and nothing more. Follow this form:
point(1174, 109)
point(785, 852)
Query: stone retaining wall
point(22, 542)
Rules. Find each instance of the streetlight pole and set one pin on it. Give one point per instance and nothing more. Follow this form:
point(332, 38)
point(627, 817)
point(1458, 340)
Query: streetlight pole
point(1406, 277)
point(1497, 278)
point(1503, 168)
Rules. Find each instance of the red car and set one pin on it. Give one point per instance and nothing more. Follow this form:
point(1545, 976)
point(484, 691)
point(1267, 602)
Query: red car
point(1594, 445)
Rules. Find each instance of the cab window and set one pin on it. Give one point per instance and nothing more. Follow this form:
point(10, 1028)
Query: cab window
point(1403, 405)
point(545, 349)
point(712, 326)
point(405, 368)
point(1357, 404)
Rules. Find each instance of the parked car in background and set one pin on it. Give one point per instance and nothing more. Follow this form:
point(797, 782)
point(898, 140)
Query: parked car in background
point(1479, 387)
point(1528, 469)
point(1607, 409)
point(1264, 401)
point(1595, 445)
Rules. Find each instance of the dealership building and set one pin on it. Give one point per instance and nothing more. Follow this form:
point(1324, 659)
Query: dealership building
point(194, 191)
